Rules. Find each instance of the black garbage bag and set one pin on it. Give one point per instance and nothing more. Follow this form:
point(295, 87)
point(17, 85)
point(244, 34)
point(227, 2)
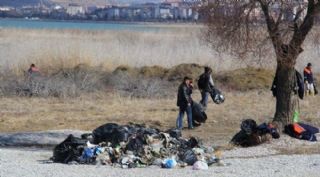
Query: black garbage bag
point(193, 142)
point(188, 144)
point(69, 150)
point(217, 96)
point(120, 134)
point(104, 133)
point(198, 113)
point(249, 126)
point(246, 140)
point(252, 135)
point(148, 131)
point(188, 157)
point(298, 89)
point(135, 145)
point(174, 133)
point(141, 130)
point(300, 84)
point(247, 135)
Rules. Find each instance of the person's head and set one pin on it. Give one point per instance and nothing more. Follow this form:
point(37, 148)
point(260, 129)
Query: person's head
point(207, 70)
point(309, 65)
point(32, 65)
point(187, 80)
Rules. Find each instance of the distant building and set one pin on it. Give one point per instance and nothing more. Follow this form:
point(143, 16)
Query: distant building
point(5, 9)
point(113, 13)
point(165, 13)
point(57, 7)
point(167, 10)
point(183, 13)
point(91, 9)
point(74, 10)
point(156, 12)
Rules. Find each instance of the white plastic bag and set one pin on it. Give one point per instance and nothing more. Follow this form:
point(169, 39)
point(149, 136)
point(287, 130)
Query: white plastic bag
point(200, 165)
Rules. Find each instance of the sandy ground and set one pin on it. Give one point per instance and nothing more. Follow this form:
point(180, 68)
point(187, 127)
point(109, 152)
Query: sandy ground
point(283, 157)
point(31, 162)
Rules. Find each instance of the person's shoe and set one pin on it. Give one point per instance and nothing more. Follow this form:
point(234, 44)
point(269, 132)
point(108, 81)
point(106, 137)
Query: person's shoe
point(190, 128)
point(179, 128)
point(196, 124)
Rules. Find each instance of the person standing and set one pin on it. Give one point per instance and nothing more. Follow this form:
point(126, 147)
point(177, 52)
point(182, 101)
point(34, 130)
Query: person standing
point(308, 80)
point(205, 84)
point(184, 102)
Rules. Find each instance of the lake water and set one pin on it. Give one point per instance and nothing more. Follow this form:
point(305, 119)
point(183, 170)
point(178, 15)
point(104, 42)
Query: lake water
point(42, 24)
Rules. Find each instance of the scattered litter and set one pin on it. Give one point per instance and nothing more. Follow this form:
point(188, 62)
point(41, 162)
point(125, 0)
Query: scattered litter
point(200, 165)
point(169, 163)
point(253, 135)
point(135, 146)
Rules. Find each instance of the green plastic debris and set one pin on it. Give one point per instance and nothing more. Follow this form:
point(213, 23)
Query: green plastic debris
point(296, 117)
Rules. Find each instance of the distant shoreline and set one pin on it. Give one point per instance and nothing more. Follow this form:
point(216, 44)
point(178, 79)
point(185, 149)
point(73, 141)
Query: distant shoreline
point(107, 22)
point(87, 25)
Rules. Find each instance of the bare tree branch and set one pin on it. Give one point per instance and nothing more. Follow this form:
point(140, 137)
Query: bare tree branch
point(238, 27)
point(301, 32)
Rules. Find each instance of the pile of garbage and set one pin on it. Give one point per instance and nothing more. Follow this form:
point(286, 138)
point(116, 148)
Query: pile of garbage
point(252, 134)
point(133, 145)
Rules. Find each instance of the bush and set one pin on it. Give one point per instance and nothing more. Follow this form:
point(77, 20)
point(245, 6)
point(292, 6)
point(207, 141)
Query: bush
point(177, 73)
point(245, 79)
point(145, 82)
point(64, 83)
point(140, 86)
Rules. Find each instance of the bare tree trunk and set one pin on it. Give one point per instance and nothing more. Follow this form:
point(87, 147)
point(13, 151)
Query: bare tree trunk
point(286, 99)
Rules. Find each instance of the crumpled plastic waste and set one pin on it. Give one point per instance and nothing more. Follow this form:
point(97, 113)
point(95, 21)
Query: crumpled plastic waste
point(139, 147)
point(98, 150)
point(169, 163)
point(200, 165)
point(87, 155)
point(90, 145)
point(188, 157)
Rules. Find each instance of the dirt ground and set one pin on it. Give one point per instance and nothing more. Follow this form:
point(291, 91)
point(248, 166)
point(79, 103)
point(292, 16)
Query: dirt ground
point(24, 114)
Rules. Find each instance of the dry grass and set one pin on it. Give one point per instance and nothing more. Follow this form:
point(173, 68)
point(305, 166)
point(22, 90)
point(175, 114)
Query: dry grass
point(89, 111)
point(246, 79)
point(167, 46)
point(144, 82)
point(52, 49)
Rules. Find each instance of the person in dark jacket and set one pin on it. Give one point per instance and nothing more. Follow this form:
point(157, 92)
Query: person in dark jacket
point(205, 85)
point(184, 102)
point(308, 79)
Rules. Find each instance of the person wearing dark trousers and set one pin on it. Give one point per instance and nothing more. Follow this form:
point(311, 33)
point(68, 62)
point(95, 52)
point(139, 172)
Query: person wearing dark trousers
point(184, 102)
point(205, 85)
point(309, 80)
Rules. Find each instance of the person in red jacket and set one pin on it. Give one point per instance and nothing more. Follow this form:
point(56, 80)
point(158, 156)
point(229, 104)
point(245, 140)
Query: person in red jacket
point(308, 80)
point(33, 70)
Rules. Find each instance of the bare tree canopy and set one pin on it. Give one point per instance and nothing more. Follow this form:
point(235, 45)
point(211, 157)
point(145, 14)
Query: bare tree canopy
point(243, 27)
point(256, 27)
